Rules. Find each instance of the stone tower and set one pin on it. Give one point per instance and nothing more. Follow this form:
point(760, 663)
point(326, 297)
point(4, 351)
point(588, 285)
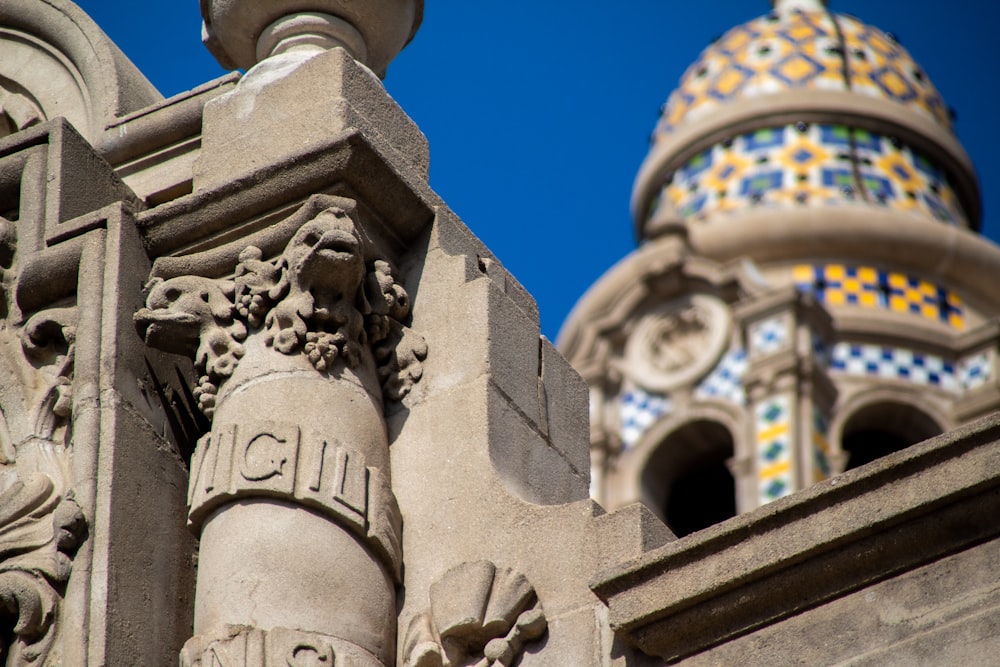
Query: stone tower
point(809, 292)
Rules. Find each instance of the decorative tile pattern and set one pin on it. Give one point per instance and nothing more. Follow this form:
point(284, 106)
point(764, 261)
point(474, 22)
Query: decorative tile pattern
point(725, 380)
point(868, 287)
point(768, 335)
point(638, 411)
point(895, 363)
point(807, 164)
point(773, 424)
point(796, 51)
point(975, 370)
point(820, 445)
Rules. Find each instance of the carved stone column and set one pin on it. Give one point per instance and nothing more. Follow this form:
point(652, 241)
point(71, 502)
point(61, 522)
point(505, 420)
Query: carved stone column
point(290, 492)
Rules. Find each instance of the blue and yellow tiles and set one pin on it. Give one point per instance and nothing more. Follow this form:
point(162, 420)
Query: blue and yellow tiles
point(773, 429)
point(767, 336)
point(975, 370)
point(796, 51)
point(895, 363)
point(725, 381)
point(638, 411)
point(820, 445)
point(868, 287)
point(805, 164)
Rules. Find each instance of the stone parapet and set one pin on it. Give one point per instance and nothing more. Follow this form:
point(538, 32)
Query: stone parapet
point(765, 571)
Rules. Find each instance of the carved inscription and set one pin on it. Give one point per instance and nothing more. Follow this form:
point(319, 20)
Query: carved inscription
point(275, 459)
point(277, 647)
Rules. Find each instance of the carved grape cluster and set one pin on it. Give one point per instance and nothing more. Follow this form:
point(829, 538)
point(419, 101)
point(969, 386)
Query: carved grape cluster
point(322, 296)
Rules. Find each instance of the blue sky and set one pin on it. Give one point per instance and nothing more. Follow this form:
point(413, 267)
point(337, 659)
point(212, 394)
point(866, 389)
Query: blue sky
point(538, 112)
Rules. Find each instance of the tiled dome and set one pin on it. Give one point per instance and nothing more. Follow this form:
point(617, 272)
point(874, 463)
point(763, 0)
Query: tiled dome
point(804, 109)
point(801, 46)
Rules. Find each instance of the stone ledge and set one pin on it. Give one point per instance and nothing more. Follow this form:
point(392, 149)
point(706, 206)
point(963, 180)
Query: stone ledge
point(893, 515)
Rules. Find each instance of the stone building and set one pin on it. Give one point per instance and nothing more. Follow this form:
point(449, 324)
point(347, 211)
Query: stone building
point(266, 401)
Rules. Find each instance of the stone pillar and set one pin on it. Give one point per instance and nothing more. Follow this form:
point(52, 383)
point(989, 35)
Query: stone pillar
point(289, 491)
point(789, 392)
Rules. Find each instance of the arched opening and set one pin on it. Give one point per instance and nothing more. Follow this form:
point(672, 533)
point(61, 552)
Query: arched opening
point(687, 481)
point(880, 429)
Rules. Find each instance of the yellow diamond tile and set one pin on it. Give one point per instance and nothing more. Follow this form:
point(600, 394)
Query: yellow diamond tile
point(895, 83)
point(800, 31)
point(803, 273)
point(899, 304)
point(868, 275)
point(868, 299)
point(834, 271)
point(851, 285)
point(729, 82)
point(736, 40)
point(797, 69)
point(775, 470)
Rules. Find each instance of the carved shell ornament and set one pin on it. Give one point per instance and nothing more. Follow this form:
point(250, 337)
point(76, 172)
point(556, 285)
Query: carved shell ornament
point(322, 297)
point(480, 616)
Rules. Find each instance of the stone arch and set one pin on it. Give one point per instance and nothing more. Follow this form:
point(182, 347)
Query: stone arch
point(881, 421)
point(681, 467)
point(57, 62)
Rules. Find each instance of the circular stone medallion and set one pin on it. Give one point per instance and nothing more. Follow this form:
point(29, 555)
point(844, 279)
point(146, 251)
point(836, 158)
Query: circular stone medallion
point(678, 342)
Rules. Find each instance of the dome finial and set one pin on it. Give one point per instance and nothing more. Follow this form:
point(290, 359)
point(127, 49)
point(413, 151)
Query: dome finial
point(785, 6)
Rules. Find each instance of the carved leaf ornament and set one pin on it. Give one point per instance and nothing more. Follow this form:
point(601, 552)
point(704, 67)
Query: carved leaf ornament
point(39, 531)
point(322, 297)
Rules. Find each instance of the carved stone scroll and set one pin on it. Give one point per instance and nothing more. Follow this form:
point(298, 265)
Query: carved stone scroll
point(479, 616)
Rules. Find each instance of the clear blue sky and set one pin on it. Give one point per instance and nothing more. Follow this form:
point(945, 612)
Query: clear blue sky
point(538, 112)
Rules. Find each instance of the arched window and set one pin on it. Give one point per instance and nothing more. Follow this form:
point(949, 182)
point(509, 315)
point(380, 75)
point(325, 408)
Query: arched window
point(879, 429)
point(686, 480)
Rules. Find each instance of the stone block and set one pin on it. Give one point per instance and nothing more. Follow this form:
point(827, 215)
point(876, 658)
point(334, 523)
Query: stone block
point(564, 398)
point(628, 533)
point(514, 352)
point(452, 236)
point(528, 465)
point(897, 622)
point(143, 554)
point(267, 119)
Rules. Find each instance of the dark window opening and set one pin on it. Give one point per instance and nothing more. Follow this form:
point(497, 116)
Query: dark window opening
point(687, 481)
point(882, 429)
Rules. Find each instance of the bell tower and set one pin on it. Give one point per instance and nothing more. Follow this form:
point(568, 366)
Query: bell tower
point(808, 292)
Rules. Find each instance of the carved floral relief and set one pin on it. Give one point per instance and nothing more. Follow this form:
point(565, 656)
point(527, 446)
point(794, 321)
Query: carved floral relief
point(41, 524)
